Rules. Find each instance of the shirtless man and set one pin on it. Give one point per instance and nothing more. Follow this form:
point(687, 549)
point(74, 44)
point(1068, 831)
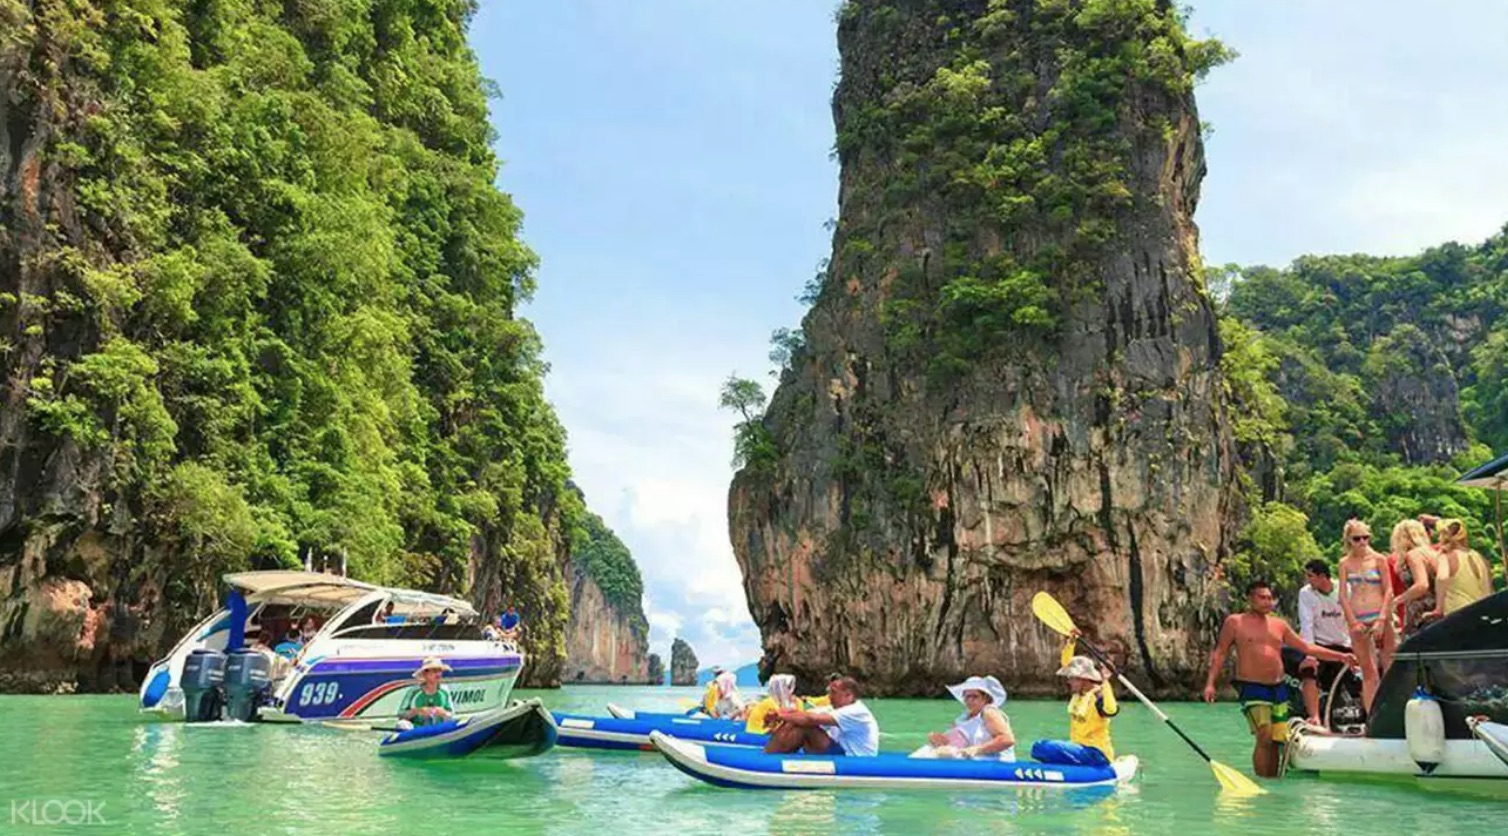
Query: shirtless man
point(1259, 637)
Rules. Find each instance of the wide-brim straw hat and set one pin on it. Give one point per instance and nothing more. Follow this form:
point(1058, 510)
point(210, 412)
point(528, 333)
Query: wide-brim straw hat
point(433, 663)
point(1081, 667)
point(988, 684)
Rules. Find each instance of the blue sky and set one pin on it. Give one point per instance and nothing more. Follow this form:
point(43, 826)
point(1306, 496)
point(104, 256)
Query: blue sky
point(672, 161)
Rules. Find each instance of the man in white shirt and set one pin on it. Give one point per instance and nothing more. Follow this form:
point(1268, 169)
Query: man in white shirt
point(848, 728)
point(1321, 622)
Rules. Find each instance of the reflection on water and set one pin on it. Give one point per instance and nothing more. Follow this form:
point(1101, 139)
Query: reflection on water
point(226, 779)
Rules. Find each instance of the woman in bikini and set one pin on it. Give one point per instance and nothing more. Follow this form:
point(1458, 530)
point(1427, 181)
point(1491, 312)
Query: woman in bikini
point(1367, 602)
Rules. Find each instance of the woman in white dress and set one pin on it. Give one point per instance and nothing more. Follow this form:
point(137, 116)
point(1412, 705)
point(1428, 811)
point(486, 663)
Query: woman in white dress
point(982, 730)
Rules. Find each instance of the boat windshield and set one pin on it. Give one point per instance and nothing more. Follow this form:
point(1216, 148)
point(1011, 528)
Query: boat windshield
point(407, 615)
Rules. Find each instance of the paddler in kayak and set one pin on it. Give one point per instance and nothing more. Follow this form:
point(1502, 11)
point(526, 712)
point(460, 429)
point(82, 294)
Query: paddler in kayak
point(1258, 637)
point(1091, 704)
point(722, 701)
point(430, 702)
point(764, 715)
point(846, 728)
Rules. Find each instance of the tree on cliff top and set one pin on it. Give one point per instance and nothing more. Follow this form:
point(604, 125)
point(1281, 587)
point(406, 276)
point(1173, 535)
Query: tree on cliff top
point(752, 445)
point(268, 243)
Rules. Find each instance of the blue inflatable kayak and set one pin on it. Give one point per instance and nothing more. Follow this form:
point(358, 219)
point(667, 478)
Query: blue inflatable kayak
point(732, 766)
point(612, 733)
point(517, 730)
point(630, 714)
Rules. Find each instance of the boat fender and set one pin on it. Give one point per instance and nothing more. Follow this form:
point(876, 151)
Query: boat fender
point(1424, 728)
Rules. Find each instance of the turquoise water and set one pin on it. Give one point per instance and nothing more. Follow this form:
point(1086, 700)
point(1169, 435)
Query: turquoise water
point(147, 777)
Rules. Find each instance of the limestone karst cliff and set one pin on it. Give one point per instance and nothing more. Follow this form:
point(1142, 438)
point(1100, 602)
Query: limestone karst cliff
point(1010, 377)
point(683, 663)
point(257, 294)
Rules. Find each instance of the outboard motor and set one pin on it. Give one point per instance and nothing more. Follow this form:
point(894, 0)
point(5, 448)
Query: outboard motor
point(1424, 729)
point(203, 672)
point(248, 680)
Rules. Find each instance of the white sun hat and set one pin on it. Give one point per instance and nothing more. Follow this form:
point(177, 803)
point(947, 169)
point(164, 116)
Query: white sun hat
point(988, 684)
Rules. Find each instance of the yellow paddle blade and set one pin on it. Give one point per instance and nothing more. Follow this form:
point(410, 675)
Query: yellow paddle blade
point(1052, 613)
point(1233, 781)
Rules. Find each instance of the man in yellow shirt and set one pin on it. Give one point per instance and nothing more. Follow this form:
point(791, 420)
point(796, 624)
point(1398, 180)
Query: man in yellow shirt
point(1090, 705)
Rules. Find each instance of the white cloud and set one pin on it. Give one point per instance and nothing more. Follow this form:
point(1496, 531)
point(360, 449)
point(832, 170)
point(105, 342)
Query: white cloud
point(652, 452)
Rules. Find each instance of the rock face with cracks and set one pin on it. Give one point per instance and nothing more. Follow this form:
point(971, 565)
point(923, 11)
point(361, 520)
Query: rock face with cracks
point(1010, 377)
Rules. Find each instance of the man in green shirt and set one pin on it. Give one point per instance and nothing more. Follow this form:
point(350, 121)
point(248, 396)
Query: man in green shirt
point(429, 703)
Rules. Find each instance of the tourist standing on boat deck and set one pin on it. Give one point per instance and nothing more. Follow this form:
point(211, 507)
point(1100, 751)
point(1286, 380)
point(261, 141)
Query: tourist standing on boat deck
point(429, 703)
point(1367, 601)
point(1258, 637)
point(1415, 558)
point(847, 728)
point(982, 730)
point(1463, 576)
point(1321, 622)
point(1091, 704)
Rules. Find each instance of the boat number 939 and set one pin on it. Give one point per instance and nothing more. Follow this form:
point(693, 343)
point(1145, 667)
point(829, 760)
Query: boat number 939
point(319, 693)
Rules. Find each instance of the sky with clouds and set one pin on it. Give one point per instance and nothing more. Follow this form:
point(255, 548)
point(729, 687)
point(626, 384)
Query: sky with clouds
point(672, 159)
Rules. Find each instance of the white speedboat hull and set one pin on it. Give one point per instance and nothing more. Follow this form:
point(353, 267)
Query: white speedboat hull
point(1366, 756)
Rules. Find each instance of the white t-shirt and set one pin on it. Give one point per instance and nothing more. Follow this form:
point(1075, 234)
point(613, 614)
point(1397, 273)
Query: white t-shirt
point(1321, 620)
point(856, 731)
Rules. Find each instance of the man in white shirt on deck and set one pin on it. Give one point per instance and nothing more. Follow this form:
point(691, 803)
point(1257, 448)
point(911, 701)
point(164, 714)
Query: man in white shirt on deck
point(848, 728)
point(1321, 622)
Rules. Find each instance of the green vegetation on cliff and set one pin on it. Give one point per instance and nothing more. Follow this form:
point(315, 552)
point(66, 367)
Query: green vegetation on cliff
point(1020, 139)
point(271, 286)
point(607, 561)
point(1369, 385)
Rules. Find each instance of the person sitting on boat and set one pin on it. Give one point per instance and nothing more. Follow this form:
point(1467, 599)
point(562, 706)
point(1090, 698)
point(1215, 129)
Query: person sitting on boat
point(763, 716)
point(429, 702)
point(728, 703)
point(1091, 704)
point(845, 728)
point(1463, 576)
point(493, 631)
point(982, 730)
point(384, 614)
point(291, 645)
point(1259, 638)
point(511, 625)
point(1321, 622)
point(307, 629)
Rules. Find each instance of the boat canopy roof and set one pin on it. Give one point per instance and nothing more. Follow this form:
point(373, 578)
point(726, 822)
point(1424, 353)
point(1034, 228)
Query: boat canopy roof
point(1493, 475)
point(316, 589)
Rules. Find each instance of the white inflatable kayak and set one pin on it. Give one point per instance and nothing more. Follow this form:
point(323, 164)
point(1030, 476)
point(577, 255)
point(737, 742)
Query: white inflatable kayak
point(745, 768)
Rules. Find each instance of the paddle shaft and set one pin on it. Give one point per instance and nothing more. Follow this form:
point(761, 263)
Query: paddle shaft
point(1095, 652)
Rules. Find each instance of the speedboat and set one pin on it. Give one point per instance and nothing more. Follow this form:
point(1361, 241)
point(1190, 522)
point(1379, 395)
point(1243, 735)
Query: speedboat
point(1437, 709)
point(356, 669)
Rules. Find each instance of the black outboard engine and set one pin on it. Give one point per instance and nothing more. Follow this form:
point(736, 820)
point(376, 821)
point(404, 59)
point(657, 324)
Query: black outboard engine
point(248, 681)
point(203, 671)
